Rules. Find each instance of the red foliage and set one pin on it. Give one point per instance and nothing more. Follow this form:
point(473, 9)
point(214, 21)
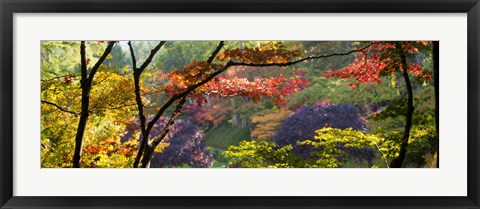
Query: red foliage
point(233, 84)
point(68, 78)
point(276, 87)
point(380, 57)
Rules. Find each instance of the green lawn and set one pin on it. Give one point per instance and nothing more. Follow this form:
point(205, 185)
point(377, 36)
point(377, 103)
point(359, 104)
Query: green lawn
point(224, 136)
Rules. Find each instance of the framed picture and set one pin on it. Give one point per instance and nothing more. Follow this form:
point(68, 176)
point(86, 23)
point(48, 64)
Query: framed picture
point(265, 104)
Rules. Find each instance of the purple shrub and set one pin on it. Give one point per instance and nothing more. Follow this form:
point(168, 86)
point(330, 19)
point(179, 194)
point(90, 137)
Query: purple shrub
point(186, 145)
point(302, 124)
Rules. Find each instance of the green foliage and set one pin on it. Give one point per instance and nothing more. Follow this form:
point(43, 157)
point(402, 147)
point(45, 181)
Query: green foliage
point(328, 139)
point(424, 103)
point(392, 117)
point(332, 153)
point(177, 54)
point(423, 139)
point(61, 58)
point(56, 153)
point(260, 154)
point(220, 161)
point(338, 91)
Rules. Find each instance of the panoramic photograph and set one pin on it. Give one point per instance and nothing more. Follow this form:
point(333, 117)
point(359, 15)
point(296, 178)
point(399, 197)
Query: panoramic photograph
point(239, 104)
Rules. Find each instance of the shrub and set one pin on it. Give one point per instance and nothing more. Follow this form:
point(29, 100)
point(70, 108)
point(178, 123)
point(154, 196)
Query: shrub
point(183, 146)
point(302, 124)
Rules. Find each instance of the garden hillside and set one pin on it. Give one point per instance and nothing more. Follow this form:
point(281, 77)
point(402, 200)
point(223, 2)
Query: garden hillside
point(239, 104)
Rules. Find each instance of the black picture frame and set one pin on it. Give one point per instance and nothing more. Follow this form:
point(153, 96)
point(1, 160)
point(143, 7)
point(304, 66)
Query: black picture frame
point(9, 7)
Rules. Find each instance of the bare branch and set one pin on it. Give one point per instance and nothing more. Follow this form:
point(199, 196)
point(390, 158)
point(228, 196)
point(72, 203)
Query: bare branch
point(183, 95)
point(157, 139)
point(160, 112)
point(83, 63)
point(284, 64)
point(110, 107)
point(230, 64)
point(101, 59)
point(58, 77)
point(60, 108)
point(150, 57)
point(132, 54)
point(175, 97)
point(217, 50)
point(138, 97)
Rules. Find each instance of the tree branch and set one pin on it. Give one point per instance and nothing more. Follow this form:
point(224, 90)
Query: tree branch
point(230, 64)
point(58, 107)
point(150, 57)
point(300, 60)
point(58, 77)
point(136, 77)
point(100, 61)
point(138, 97)
point(83, 63)
point(132, 54)
point(157, 139)
point(175, 97)
point(217, 50)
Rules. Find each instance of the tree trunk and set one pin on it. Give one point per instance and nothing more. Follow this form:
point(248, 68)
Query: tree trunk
point(234, 120)
point(86, 84)
point(141, 115)
point(143, 144)
point(435, 55)
point(147, 156)
point(82, 124)
point(138, 98)
point(150, 147)
point(397, 162)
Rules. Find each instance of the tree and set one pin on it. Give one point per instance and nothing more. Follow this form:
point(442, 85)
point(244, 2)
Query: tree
point(326, 152)
point(384, 58)
point(183, 145)
point(186, 146)
point(262, 154)
point(111, 100)
point(423, 138)
point(199, 78)
point(302, 124)
point(435, 50)
point(266, 125)
point(329, 139)
point(60, 52)
point(86, 85)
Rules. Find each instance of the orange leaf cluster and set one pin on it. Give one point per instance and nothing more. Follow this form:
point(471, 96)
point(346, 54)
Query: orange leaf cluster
point(110, 147)
point(265, 54)
point(191, 74)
